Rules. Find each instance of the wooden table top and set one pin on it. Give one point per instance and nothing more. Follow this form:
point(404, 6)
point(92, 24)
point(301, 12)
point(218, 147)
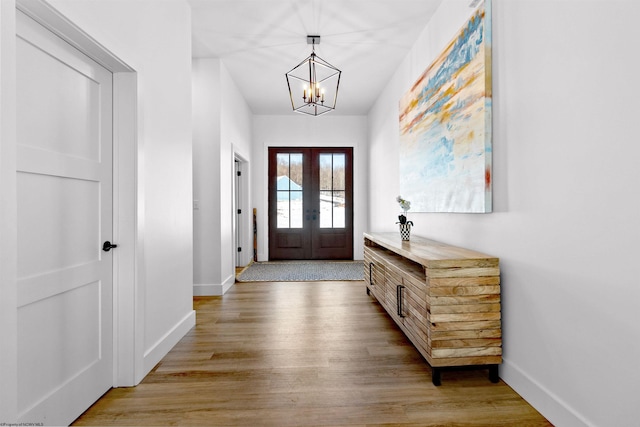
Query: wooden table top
point(431, 253)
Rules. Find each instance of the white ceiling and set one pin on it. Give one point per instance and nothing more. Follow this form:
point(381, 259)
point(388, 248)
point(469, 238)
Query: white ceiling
point(260, 40)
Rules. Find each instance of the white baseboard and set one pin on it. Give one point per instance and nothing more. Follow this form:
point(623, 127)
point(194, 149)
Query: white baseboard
point(201, 290)
point(168, 341)
point(553, 408)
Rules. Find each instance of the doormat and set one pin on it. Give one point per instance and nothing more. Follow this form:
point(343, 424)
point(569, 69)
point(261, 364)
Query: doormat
point(302, 271)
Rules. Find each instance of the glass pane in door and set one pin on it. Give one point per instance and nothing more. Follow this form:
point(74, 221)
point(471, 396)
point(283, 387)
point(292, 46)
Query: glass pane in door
point(332, 190)
point(289, 190)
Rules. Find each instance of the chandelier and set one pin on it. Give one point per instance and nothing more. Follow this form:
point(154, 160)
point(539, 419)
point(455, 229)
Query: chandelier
point(313, 83)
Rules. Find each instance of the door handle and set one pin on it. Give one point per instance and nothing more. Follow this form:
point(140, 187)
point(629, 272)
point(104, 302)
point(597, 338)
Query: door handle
point(371, 274)
point(107, 246)
point(399, 289)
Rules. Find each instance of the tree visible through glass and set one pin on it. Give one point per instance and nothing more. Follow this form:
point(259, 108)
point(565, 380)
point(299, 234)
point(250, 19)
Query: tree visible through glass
point(332, 190)
point(289, 189)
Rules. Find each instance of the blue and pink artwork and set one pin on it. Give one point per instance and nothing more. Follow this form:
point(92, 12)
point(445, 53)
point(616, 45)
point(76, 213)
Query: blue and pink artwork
point(445, 126)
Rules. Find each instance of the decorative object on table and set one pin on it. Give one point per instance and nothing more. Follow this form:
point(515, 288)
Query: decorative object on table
point(445, 125)
point(313, 83)
point(405, 226)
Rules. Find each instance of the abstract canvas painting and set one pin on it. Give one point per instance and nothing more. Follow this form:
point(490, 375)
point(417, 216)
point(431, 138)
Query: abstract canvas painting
point(445, 126)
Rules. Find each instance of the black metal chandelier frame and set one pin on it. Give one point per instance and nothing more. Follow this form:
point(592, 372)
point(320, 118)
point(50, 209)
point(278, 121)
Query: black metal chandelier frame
point(316, 73)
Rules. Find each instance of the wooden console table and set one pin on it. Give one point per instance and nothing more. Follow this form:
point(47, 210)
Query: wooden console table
point(445, 299)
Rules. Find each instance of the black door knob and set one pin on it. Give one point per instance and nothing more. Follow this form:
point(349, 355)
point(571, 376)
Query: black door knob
point(107, 246)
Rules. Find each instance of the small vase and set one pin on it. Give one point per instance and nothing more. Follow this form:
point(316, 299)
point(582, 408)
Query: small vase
point(405, 231)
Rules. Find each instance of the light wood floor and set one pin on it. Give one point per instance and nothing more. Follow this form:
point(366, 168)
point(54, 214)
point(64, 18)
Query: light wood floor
point(302, 354)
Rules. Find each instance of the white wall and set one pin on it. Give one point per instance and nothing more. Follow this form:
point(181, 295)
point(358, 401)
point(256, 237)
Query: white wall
point(297, 130)
point(206, 176)
point(222, 131)
point(154, 38)
point(8, 216)
point(236, 136)
point(565, 222)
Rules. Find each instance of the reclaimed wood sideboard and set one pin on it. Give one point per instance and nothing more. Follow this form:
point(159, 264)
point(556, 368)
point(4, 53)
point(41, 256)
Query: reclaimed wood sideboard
point(446, 299)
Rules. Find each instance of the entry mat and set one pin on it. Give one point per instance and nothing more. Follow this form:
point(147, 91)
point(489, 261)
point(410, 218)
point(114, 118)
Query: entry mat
point(302, 271)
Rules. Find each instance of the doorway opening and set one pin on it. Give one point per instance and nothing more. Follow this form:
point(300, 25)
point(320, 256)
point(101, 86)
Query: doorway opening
point(310, 203)
point(241, 213)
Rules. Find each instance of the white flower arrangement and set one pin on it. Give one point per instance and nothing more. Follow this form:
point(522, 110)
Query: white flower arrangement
point(405, 205)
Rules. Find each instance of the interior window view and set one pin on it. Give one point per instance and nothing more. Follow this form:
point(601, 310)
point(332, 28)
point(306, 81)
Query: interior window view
point(331, 197)
point(319, 213)
point(289, 190)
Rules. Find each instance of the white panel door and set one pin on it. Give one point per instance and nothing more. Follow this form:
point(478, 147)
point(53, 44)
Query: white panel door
point(64, 186)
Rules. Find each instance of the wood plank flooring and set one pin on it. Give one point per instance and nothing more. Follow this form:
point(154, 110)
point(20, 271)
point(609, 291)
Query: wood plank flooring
point(304, 354)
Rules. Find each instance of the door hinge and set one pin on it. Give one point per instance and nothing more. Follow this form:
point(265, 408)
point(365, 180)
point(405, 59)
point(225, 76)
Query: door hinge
point(239, 249)
point(239, 173)
point(239, 211)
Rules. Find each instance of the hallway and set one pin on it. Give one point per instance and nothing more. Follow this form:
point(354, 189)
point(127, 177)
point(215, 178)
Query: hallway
point(299, 354)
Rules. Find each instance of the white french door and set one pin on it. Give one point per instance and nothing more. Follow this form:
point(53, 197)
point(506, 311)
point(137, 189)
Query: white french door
point(64, 187)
